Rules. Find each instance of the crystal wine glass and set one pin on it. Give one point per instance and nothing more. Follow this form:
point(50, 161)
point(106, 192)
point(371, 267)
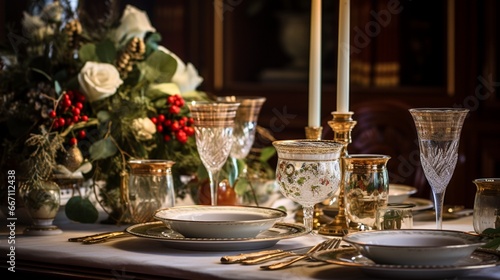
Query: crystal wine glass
point(308, 172)
point(213, 125)
point(438, 132)
point(245, 125)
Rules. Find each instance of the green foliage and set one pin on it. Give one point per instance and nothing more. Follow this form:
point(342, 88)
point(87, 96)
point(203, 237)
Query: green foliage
point(81, 210)
point(102, 149)
point(493, 235)
point(159, 67)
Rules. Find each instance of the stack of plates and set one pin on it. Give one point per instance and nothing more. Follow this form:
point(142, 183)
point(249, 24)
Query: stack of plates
point(416, 254)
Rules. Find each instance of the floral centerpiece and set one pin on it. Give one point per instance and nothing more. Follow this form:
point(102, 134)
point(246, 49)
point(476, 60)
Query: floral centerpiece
point(77, 100)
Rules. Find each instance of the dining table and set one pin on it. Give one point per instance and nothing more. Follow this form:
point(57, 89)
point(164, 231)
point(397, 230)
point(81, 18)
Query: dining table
point(135, 257)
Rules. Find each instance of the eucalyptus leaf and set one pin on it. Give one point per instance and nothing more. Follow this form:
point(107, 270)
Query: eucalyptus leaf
point(106, 51)
point(88, 53)
point(57, 88)
point(151, 42)
point(81, 210)
point(103, 116)
point(240, 187)
point(159, 67)
point(267, 153)
point(102, 149)
point(195, 95)
point(492, 244)
point(156, 91)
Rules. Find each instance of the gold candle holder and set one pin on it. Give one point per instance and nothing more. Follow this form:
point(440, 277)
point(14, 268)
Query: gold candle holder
point(314, 132)
point(342, 125)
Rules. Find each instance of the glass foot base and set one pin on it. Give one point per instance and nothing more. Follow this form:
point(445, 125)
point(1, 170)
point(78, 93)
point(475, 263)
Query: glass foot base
point(42, 230)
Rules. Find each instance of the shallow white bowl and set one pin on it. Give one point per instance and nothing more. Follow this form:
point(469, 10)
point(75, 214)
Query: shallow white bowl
point(399, 193)
point(199, 221)
point(414, 247)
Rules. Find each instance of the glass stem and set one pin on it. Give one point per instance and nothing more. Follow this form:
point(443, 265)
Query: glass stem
point(214, 186)
point(438, 207)
point(308, 217)
point(234, 166)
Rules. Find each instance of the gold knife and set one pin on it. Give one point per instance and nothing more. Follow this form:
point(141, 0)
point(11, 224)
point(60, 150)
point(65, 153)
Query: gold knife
point(246, 257)
point(99, 237)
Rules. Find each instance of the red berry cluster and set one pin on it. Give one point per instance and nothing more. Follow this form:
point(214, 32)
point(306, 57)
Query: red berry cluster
point(68, 112)
point(171, 124)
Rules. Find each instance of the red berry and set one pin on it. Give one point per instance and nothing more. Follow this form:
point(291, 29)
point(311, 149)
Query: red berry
point(190, 121)
point(66, 96)
point(189, 130)
point(61, 122)
point(182, 122)
point(82, 134)
point(55, 124)
point(73, 141)
point(174, 110)
point(66, 103)
point(84, 118)
point(161, 118)
point(171, 99)
point(52, 114)
point(76, 111)
point(154, 120)
point(79, 105)
point(69, 121)
point(75, 119)
point(166, 138)
point(181, 136)
point(179, 102)
point(159, 128)
point(175, 126)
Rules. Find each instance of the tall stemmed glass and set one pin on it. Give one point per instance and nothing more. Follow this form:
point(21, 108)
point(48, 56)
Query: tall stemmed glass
point(213, 125)
point(245, 125)
point(308, 172)
point(438, 132)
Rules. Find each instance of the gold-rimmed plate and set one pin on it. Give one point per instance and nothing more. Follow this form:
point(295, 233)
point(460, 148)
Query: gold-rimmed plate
point(159, 232)
point(351, 257)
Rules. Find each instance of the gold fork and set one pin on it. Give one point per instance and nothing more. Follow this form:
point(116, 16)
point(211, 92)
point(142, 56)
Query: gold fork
point(325, 245)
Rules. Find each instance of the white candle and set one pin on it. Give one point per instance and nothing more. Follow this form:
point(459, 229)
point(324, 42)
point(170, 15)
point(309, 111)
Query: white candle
point(315, 65)
point(343, 58)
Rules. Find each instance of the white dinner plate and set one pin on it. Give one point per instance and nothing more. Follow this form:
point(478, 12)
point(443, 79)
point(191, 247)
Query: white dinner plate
point(158, 231)
point(207, 221)
point(420, 203)
point(351, 257)
point(399, 193)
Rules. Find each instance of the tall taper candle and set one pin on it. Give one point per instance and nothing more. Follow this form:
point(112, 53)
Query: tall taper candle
point(315, 65)
point(343, 57)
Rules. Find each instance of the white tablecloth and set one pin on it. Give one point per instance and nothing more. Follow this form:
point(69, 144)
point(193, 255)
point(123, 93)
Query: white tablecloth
point(138, 255)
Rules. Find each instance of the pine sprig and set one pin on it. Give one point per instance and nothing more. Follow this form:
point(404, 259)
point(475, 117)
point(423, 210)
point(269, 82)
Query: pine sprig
point(42, 160)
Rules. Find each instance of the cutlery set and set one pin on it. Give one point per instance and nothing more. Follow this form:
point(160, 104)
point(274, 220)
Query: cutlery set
point(267, 255)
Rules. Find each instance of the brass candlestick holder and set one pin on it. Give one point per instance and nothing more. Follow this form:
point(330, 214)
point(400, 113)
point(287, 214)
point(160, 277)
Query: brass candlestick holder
point(342, 125)
point(314, 132)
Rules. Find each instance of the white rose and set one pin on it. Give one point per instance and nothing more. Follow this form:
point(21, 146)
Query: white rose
point(143, 128)
point(134, 23)
point(99, 80)
point(186, 77)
